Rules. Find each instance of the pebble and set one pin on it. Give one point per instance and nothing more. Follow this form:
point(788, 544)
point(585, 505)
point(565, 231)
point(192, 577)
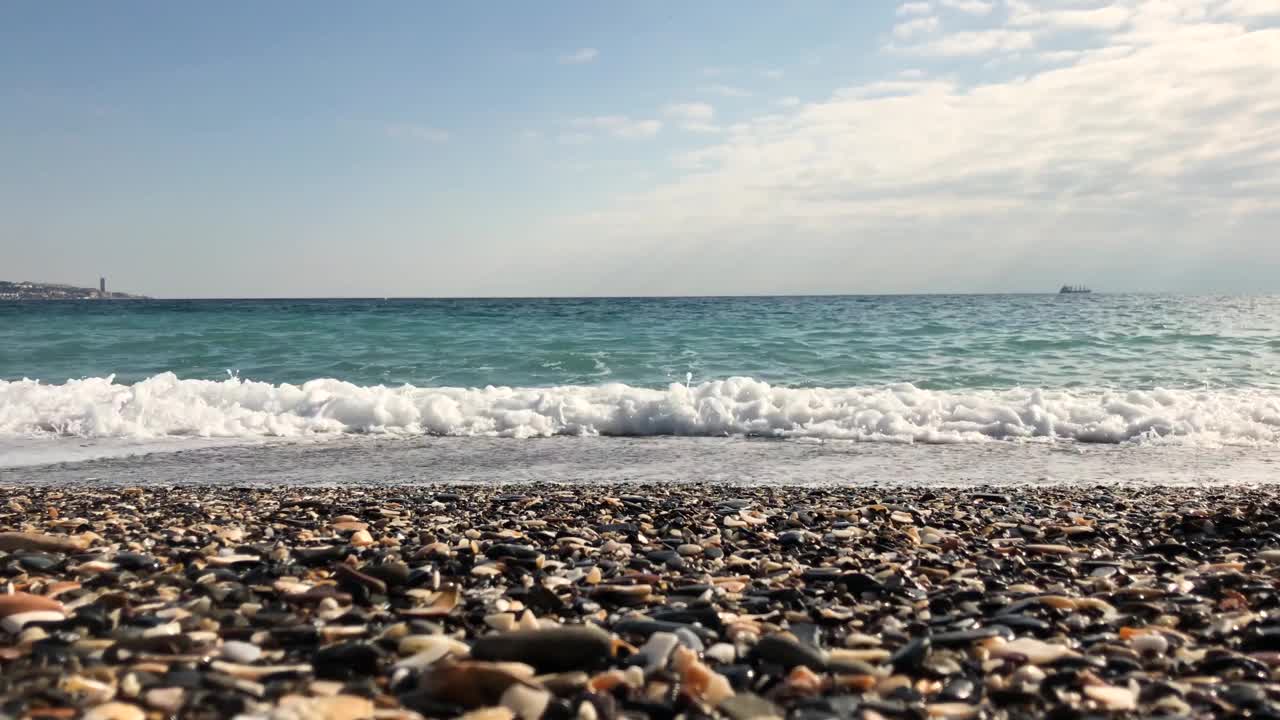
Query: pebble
point(472, 684)
point(392, 573)
point(93, 691)
point(846, 656)
point(1150, 643)
point(336, 707)
point(436, 646)
point(556, 649)
point(670, 558)
point(512, 551)
point(168, 699)
point(1049, 549)
point(352, 579)
point(19, 609)
point(690, 639)
point(38, 562)
point(1113, 698)
point(136, 562)
point(656, 651)
point(240, 652)
point(491, 713)
point(1036, 652)
point(115, 711)
point(525, 702)
point(958, 690)
point(749, 706)
point(1243, 695)
point(40, 542)
point(346, 660)
point(911, 656)
point(538, 603)
point(952, 710)
point(699, 681)
point(722, 653)
point(788, 653)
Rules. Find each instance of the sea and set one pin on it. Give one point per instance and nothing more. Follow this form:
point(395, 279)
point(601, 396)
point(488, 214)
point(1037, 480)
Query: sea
point(929, 389)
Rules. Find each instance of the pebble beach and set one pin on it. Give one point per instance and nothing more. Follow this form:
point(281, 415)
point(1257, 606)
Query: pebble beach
point(638, 601)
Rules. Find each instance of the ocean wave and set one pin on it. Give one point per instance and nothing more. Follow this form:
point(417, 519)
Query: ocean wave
point(167, 406)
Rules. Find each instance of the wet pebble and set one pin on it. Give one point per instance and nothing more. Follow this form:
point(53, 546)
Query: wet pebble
point(346, 660)
point(788, 653)
point(558, 649)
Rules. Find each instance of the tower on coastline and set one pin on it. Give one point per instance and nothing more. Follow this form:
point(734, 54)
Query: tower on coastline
point(102, 287)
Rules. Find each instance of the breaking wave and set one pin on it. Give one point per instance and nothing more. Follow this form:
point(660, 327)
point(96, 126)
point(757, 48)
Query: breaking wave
point(165, 406)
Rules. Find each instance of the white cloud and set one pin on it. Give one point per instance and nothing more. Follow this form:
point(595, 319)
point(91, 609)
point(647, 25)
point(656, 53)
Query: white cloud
point(894, 88)
point(694, 117)
point(913, 8)
point(1060, 56)
point(697, 112)
point(727, 91)
point(580, 56)
point(771, 74)
point(974, 42)
point(1103, 18)
point(1156, 137)
point(972, 7)
point(423, 133)
point(619, 126)
point(786, 102)
point(919, 26)
point(1252, 8)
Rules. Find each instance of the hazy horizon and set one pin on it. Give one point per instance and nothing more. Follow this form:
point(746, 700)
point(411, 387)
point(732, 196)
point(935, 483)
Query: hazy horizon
point(672, 296)
point(573, 150)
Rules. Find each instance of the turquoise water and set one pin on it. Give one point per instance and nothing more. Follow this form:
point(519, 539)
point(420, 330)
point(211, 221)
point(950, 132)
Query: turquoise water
point(934, 342)
point(930, 370)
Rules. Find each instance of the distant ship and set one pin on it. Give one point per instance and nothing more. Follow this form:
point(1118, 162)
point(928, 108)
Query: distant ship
point(1074, 290)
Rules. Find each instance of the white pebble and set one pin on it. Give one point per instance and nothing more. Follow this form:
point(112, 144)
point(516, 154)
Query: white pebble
point(1151, 644)
point(525, 702)
point(241, 652)
point(1112, 697)
point(722, 653)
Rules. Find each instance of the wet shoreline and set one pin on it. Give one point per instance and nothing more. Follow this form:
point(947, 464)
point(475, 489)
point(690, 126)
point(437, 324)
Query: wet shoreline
point(377, 462)
point(639, 600)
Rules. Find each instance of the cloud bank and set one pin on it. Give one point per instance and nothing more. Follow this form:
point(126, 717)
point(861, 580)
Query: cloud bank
point(1111, 126)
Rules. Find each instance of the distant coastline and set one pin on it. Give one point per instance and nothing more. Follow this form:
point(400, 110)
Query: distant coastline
point(26, 290)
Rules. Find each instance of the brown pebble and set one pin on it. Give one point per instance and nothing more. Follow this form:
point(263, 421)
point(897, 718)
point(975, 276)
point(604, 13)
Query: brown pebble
point(14, 541)
point(115, 711)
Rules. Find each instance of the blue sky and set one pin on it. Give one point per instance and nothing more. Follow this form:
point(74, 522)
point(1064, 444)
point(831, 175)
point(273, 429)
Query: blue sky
point(318, 148)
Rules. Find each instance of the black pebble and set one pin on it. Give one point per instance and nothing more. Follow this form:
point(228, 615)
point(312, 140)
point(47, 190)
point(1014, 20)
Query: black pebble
point(788, 653)
point(909, 657)
point(340, 662)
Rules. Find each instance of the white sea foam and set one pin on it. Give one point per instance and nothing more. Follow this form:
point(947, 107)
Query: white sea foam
point(165, 406)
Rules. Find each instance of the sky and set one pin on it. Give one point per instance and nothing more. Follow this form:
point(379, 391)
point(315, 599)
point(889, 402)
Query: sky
point(303, 149)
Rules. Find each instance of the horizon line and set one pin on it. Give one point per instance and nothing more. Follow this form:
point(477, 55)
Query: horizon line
point(136, 296)
point(388, 298)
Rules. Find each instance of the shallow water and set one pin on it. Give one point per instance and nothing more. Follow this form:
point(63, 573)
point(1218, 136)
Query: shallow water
point(1163, 379)
point(727, 461)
